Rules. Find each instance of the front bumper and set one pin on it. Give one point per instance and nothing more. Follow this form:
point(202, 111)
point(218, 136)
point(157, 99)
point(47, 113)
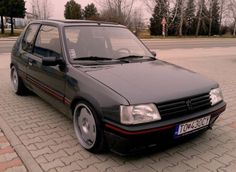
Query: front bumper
point(129, 139)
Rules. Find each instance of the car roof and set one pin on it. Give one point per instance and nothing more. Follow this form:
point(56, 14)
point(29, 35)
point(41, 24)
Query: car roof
point(77, 22)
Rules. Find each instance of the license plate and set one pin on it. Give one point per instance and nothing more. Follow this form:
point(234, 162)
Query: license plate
point(187, 127)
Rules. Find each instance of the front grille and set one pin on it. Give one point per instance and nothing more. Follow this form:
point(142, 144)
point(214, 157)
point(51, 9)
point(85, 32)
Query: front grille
point(184, 106)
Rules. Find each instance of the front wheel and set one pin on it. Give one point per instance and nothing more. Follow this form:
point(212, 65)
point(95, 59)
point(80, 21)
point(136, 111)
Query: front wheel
point(88, 128)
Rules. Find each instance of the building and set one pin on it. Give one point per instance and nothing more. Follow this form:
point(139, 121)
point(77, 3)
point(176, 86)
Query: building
point(19, 22)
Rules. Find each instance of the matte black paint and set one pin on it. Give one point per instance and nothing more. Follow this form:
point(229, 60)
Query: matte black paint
point(149, 82)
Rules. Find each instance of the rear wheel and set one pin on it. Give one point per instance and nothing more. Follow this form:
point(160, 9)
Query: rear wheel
point(17, 84)
point(88, 128)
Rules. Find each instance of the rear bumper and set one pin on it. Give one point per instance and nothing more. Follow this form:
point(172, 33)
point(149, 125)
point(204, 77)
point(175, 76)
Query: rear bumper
point(126, 140)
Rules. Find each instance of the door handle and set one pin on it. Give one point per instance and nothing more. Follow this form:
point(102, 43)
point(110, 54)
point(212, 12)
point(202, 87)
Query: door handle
point(30, 62)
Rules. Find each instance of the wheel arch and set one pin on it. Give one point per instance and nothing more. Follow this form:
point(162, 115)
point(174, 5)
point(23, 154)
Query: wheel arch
point(91, 101)
point(13, 64)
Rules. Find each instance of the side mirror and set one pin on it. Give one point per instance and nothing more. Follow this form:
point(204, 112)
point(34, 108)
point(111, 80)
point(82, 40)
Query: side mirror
point(51, 61)
point(154, 53)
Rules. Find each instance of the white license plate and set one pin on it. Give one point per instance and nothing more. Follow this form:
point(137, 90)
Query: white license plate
point(192, 125)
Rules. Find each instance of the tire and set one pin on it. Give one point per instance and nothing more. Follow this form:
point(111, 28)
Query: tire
point(18, 86)
point(88, 128)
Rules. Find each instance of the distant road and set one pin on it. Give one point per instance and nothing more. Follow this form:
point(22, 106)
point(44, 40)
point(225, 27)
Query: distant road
point(189, 43)
point(159, 44)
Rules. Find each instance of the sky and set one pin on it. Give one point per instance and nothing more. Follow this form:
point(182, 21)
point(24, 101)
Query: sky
point(57, 7)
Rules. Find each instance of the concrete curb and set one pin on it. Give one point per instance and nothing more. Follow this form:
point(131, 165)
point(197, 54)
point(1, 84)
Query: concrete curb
point(9, 39)
point(20, 149)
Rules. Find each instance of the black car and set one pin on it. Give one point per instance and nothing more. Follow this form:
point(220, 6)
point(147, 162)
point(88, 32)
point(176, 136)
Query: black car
point(115, 90)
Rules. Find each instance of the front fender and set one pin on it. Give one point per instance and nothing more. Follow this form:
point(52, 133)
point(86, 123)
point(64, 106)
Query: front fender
point(106, 102)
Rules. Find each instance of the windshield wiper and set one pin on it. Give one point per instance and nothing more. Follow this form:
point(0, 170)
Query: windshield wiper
point(130, 57)
point(94, 58)
point(135, 57)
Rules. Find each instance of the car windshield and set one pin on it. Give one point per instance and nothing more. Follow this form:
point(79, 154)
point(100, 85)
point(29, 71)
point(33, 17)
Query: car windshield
point(101, 43)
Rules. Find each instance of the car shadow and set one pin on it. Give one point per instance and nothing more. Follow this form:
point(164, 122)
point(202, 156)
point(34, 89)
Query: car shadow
point(164, 147)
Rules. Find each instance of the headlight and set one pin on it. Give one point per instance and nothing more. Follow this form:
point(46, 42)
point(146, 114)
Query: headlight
point(139, 114)
point(216, 96)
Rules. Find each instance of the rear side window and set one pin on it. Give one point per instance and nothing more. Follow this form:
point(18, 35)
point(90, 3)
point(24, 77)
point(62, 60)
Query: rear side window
point(28, 41)
point(48, 43)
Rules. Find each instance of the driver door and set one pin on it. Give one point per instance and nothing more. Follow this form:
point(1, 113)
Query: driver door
point(47, 81)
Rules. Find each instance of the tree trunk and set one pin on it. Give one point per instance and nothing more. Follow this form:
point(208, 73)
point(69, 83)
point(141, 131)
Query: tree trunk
point(119, 11)
point(181, 27)
point(12, 26)
point(199, 18)
point(167, 29)
point(198, 25)
point(167, 26)
point(167, 20)
point(210, 20)
point(181, 18)
point(221, 16)
point(234, 27)
point(2, 25)
point(210, 27)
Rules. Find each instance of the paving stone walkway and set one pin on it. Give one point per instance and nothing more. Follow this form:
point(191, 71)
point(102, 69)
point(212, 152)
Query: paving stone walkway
point(45, 141)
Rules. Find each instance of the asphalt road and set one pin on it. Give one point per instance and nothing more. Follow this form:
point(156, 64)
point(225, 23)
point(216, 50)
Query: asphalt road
point(160, 44)
point(6, 45)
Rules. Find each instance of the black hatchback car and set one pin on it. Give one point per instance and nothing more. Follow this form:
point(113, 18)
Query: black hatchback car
point(115, 90)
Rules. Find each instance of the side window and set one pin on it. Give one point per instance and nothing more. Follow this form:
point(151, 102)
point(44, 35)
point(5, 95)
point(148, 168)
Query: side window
point(28, 41)
point(48, 43)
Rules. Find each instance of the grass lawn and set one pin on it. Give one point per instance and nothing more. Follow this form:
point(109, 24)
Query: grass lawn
point(7, 33)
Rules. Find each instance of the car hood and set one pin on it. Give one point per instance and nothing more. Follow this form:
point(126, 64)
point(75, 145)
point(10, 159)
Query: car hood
point(148, 82)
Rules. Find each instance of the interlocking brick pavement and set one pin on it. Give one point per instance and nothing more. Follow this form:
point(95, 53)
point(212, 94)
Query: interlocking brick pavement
point(47, 137)
point(9, 160)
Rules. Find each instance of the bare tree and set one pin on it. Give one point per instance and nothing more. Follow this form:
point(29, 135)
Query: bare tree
point(199, 17)
point(177, 16)
point(182, 9)
point(150, 4)
point(137, 24)
point(222, 11)
point(215, 17)
point(117, 10)
point(232, 9)
point(41, 8)
point(173, 7)
point(210, 17)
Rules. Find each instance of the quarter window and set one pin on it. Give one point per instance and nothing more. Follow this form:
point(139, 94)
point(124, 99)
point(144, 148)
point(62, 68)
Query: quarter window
point(48, 43)
point(28, 41)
